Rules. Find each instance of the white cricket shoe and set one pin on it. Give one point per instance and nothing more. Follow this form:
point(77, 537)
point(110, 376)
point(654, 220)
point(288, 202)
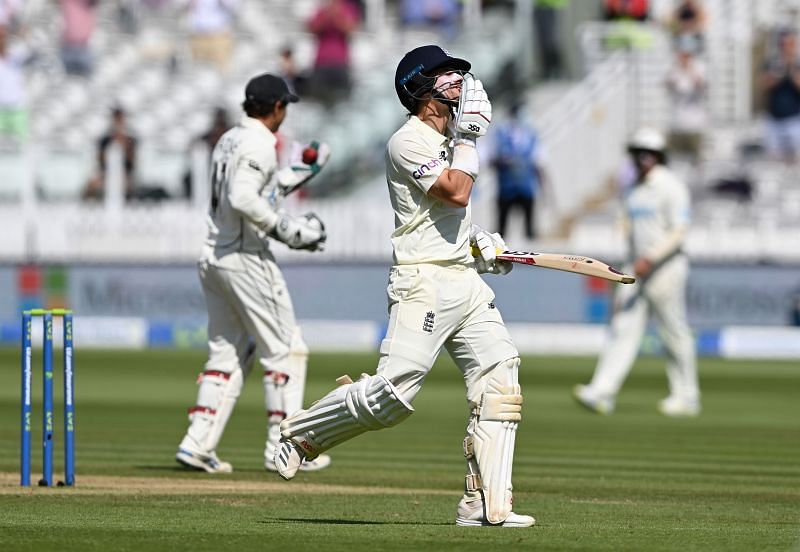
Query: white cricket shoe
point(288, 458)
point(588, 399)
point(679, 407)
point(319, 463)
point(470, 514)
point(209, 463)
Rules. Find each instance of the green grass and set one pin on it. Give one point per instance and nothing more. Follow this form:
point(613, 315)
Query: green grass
point(729, 480)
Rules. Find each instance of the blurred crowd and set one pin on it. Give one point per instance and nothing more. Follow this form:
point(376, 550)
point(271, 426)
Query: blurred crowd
point(211, 28)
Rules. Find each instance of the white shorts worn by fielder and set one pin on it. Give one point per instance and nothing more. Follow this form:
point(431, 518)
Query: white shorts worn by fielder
point(431, 307)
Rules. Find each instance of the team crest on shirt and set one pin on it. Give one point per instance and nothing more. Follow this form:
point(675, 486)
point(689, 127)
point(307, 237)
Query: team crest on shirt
point(427, 324)
point(442, 155)
point(425, 168)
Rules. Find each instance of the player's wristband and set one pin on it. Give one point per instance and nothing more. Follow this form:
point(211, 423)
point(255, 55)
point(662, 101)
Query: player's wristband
point(465, 159)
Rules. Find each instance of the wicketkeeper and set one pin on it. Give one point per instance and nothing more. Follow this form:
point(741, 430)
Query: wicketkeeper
point(250, 312)
point(436, 297)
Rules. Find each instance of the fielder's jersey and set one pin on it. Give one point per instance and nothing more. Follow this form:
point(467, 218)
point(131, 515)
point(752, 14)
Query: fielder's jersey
point(426, 230)
point(242, 206)
point(655, 208)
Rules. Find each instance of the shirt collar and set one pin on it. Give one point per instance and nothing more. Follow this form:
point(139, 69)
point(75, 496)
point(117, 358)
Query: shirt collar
point(427, 132)
point(258, 126)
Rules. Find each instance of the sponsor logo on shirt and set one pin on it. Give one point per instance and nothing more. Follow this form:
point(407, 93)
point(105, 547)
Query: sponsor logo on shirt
point(425, 168)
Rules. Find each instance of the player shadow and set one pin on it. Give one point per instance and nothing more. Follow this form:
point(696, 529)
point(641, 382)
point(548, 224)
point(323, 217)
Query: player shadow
point(323, 521)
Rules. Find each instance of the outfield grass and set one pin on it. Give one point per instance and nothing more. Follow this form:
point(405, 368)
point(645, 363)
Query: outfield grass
point(729, 480)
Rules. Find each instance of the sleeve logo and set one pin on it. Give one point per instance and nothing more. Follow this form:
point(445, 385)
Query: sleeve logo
point(425, 168)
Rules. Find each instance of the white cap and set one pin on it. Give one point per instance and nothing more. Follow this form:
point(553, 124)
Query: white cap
point(647, 139)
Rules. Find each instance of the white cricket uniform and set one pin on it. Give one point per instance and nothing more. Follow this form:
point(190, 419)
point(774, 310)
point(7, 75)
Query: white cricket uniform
point(436, 297)
point(246, 295)
point(657, 211)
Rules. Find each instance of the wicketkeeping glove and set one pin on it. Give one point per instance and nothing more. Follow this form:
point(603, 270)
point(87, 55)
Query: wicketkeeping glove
point(303, 232)
point(485, 247)
point(299, 172)
point(474, 109)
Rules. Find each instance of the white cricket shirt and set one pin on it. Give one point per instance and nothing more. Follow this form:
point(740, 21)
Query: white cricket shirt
point(243, 205)
point(426, 230)
point(655, 209)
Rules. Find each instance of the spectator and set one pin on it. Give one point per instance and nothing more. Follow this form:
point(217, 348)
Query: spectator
point(297, 81)
point(442, 15)
point(120, 135)
point(211, 30)
point(78, 27)
point(615, 10)
point(9, 10)
point(13, 111)
point(220, 124)
point(794, 313)
point(625, 31)
point(546, 17)
point(686, 82)
point(689, 20)
point(333, 24)
point(517, 161)
point(780, 81)
point(128, 15)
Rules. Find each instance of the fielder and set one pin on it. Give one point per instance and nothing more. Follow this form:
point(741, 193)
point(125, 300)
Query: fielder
point(657, 209)
point(250, 312)
point(436, 297)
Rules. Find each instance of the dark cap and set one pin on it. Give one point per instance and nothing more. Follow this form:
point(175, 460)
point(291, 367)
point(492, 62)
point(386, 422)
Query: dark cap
point(268, 89)
point(423, 61)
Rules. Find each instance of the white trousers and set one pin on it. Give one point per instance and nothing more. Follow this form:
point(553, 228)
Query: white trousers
point(250, 302)
point(431, 307)
point(663, 295)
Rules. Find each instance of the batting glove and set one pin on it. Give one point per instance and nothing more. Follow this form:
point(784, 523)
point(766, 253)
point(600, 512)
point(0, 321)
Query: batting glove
point(474, 109)
point(303, 232)
point(298, 172)
point(485, 247)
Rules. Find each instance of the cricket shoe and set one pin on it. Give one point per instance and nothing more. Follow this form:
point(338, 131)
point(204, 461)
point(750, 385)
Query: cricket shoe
point(319, 463)
point(471, 514)
point(597, 404)
point(288, 459)
point(206, 462)
point(679, 407)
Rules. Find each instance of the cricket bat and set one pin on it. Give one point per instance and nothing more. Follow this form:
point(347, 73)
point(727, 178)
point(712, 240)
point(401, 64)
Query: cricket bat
point(567, 263)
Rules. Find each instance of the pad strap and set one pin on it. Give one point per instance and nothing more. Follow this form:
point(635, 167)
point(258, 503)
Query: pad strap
point(215, 401)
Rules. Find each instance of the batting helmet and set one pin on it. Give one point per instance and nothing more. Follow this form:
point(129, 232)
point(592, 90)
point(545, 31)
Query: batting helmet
point(414, 76)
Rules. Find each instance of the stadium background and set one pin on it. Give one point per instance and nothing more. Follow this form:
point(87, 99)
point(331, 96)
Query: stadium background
point(127, 267)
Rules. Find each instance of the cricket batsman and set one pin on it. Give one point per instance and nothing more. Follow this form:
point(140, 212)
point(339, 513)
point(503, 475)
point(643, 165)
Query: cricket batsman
point(436, 297)
point(250, 313)
point(657, 213)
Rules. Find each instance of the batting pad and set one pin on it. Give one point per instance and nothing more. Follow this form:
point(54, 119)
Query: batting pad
point(368, 404)
point(489, 445)
point(215, 401)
